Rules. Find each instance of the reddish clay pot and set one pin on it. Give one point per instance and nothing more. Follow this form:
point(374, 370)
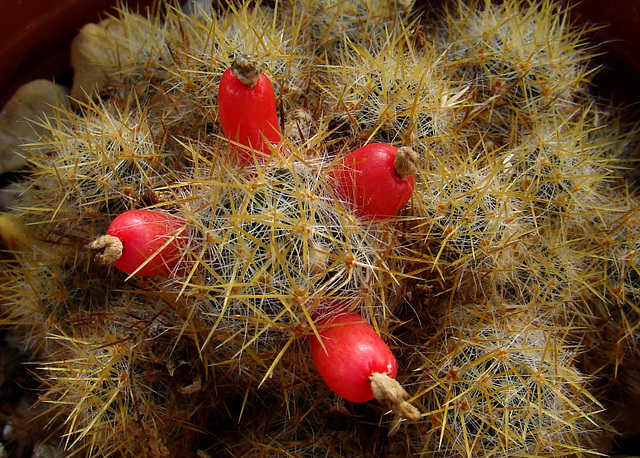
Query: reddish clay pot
point(35, 37)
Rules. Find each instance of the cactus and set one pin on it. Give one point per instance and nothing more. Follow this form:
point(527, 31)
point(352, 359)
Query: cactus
point(503, 386)
point(271, 251)
point(506, 288)
point(517, 70)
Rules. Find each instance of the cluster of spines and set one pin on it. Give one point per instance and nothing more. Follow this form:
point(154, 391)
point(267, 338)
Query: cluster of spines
point(517, 70)
point(502, 384)
point(399, 98)
point(270, 251)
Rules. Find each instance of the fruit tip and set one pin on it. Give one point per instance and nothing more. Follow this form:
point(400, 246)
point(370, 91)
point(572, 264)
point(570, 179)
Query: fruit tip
point(246, 69)
point(405, 163)
point(111, 249)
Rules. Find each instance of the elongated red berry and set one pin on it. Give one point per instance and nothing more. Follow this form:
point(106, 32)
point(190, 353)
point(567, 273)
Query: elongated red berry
point(358, 366)
point(352, 353)
point(247, 109)
point(142, 242)
point(376, 179)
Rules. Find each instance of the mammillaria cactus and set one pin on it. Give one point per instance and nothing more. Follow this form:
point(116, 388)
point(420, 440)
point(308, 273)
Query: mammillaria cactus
point(494, 279)
point(490, 381)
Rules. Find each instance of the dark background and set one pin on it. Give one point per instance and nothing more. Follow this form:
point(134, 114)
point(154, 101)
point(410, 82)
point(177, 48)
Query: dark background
point(35, 37)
